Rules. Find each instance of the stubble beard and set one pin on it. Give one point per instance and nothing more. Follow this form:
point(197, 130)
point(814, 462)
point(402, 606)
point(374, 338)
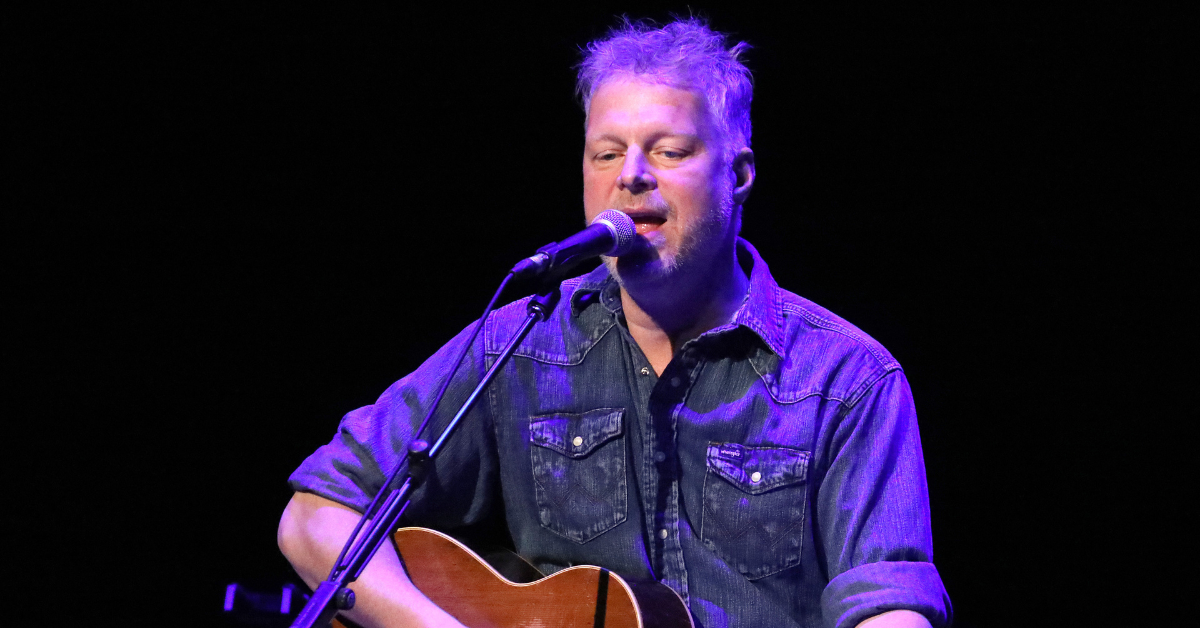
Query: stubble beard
point(647, 266)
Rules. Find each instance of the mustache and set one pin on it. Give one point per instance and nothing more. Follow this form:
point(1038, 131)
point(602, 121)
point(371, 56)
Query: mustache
point(649, 200)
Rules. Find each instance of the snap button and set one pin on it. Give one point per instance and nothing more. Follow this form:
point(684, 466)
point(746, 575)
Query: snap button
point(645, 371)
point(675, 382)
point(579, 441)
point(662, 534)
point(755, 477)
point(659, 456)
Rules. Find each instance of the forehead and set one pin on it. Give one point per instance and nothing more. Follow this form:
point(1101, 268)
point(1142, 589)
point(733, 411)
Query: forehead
point(634, 103)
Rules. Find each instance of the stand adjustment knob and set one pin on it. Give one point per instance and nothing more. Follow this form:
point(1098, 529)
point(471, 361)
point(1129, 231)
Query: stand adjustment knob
point(344, 599)
point(418, 460)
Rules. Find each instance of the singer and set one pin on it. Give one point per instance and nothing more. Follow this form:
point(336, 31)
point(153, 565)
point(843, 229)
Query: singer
point(680, 417)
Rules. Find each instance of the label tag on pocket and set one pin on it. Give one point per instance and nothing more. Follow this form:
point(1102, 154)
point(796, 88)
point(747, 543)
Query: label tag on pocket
point(730, 452)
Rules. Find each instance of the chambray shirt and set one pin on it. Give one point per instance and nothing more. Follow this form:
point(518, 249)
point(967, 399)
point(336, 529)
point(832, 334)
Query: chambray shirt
point(772, 475)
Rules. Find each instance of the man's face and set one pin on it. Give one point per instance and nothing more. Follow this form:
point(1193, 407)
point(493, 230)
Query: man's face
point(653, 152)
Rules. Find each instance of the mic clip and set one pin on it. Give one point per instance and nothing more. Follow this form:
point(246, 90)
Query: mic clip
point(536, 264)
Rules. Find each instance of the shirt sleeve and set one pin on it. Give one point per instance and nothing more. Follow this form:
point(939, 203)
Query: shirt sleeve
point(872, 509)
point(459, 487)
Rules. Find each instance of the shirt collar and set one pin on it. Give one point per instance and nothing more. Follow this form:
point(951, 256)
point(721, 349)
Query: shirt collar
point(761, 312)
point(597, 286)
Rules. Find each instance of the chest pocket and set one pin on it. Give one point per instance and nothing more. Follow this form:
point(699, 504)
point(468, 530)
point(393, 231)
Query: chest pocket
point(579, 472)
point(754, 501)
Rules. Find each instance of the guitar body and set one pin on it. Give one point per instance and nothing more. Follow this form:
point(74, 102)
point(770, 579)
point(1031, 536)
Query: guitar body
point(462, 584)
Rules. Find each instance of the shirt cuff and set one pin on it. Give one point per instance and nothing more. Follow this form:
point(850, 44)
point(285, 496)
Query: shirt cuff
point(338, 485)
point(868, 590)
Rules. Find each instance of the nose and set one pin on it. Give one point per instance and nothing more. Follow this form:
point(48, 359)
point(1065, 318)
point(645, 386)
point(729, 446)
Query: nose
point(635, 172)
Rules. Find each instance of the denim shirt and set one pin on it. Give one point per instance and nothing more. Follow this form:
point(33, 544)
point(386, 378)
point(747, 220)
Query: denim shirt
point(772, 475)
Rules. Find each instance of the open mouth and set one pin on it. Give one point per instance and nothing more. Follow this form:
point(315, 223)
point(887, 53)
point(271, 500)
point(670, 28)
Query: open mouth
point(647, 223)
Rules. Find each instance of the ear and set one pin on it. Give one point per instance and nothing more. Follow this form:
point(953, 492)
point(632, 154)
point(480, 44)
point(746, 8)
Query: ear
point(743, 170)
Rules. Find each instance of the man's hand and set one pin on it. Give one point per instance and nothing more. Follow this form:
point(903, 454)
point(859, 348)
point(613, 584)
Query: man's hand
point(311, 534)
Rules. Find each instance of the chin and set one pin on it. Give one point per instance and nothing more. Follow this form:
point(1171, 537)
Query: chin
point(646, 267)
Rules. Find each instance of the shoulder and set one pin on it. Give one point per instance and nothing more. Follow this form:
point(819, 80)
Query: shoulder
point(824, 354)
point(813, 351)
point(573, 328)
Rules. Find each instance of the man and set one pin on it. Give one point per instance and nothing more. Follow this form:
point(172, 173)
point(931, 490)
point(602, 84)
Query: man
point(679, 416)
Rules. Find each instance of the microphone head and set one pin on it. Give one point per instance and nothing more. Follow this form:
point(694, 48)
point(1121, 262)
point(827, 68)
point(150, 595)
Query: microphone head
point(621, 226)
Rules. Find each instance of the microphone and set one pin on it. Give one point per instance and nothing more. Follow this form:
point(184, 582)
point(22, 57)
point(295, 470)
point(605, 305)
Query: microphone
point(611, 233)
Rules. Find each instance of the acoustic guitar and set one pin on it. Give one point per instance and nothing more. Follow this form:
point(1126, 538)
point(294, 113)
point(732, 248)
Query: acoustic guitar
point(475, 593)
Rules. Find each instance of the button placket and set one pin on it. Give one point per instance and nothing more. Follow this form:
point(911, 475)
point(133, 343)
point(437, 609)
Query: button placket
point(660, 475)
point(673, 572)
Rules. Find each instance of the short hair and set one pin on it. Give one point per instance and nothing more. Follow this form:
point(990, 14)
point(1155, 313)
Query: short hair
point(685, 53)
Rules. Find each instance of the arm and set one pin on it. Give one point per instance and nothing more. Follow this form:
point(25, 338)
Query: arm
point(354, 465)
point(872, 509)
point(896, 619)
point(312, 532)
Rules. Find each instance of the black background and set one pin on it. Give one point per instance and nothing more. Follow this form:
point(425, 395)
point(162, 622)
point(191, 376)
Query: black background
point(232, 224)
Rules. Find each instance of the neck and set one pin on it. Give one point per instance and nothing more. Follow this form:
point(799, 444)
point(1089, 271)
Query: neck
point(662, 317)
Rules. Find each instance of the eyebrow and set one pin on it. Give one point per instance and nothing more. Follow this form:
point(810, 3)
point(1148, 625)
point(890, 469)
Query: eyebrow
point(609, 137)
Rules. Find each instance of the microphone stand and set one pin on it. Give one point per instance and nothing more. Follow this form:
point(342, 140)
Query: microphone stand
point(332, 595)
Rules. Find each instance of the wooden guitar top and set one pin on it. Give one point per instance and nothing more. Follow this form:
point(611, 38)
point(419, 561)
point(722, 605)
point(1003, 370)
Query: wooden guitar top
point(460, 582)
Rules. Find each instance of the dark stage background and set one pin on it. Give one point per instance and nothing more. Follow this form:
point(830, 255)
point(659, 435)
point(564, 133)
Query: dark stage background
point(246, 220)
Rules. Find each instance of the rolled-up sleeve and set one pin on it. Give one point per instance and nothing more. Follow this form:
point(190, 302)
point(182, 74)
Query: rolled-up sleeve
point(873, 512)
point(352, 467)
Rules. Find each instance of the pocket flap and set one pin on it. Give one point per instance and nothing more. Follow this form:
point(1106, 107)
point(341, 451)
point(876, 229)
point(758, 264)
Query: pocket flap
point(758, 469)
point(576, 435)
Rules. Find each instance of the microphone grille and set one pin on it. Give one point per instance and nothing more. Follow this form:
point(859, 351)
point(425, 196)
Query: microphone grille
point(621, 226)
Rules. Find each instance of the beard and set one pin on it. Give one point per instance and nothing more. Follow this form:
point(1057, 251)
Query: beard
point(653, 262)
